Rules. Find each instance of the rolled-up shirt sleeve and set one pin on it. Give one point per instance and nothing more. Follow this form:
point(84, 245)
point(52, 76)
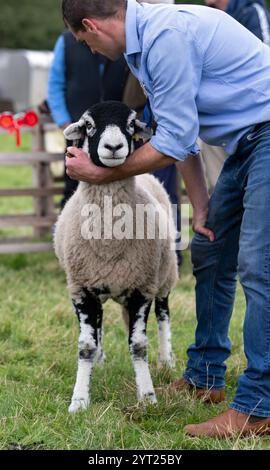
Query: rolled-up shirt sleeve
point(175, 66)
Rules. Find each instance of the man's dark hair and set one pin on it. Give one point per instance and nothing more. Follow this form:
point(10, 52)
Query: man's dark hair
point(75, 10)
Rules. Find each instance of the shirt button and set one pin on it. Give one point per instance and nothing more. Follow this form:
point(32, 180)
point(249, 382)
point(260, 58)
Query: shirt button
point(223, 144)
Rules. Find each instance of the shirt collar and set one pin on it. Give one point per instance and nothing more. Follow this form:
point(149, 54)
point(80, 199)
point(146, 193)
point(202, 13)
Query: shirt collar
point(132, 39)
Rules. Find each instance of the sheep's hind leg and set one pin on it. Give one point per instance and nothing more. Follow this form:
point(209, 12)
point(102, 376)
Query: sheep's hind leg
point(165, 356)
point(138, 308)
point(88, 309)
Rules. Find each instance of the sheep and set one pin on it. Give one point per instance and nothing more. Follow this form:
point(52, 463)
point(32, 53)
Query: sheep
point(133, 271)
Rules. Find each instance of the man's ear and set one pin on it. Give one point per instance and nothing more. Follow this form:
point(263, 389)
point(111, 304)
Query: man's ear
point(75, 131)
point(89, 25)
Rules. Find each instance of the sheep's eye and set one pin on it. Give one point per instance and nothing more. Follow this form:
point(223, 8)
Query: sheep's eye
point(90, 129)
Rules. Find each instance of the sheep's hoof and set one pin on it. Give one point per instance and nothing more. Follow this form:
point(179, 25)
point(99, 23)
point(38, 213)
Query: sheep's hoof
point(149, 398)
point(78, 404)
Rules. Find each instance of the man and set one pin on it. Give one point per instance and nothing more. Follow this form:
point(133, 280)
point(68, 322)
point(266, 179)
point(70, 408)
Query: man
point(254, 15)
point(197, 81)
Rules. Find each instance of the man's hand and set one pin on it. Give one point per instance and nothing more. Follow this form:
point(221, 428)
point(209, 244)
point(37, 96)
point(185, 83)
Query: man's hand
point(146, 158)
point(198, 224)
point(80, 167)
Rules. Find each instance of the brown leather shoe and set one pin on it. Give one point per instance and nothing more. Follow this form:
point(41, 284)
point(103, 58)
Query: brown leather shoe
point(228, 424)
point(211, 395)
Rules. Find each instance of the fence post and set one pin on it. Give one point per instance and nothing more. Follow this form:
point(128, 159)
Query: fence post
point(42, 178)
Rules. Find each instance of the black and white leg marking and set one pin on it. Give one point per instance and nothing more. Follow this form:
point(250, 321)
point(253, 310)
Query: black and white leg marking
point(165, 356)
point(138, 308)
point(88, 310)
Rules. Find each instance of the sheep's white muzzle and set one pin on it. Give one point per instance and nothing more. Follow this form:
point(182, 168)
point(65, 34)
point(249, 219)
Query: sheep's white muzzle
point(113, 147)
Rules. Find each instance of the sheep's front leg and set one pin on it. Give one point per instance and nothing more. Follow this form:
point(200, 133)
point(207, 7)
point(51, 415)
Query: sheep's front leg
point(88, 310)
point(165, 356)
point(138, 308)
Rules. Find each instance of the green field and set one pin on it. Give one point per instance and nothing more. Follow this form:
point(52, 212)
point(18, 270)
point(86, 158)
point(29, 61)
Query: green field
point(38, 350)
point(38, 359)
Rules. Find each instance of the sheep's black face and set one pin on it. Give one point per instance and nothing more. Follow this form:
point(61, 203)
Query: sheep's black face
point(107, 129)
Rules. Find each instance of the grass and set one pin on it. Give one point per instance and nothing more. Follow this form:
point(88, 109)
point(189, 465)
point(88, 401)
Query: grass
point(38, 351)
point(38, 360)
point(15, 177)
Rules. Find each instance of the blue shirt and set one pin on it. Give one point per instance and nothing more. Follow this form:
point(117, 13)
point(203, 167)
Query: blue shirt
point(203, 72)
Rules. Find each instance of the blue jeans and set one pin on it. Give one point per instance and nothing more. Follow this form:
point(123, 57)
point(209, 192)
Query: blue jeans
point(239, 214)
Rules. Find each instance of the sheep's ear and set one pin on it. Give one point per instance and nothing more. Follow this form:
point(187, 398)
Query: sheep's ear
point(75, 131)
point(142, 131)
point(137, 129)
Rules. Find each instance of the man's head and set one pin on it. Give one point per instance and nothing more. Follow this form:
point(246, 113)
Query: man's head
point(100, 24)
point(220, 4)
point(74, 11)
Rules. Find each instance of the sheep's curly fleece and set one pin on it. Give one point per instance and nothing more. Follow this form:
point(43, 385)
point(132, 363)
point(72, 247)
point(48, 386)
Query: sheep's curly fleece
point(147, 265)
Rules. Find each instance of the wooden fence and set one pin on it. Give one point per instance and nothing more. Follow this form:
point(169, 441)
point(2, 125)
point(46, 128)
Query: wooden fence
point(42, 191)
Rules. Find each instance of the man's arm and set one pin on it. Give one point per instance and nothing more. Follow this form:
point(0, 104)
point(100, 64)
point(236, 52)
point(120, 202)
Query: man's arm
point(143, 160)
point(193, 175)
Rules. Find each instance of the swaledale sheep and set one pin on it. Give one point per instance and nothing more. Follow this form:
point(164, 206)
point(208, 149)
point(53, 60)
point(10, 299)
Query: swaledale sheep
point(131, 270)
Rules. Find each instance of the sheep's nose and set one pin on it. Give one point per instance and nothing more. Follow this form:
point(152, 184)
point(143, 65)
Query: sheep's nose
point(113, 148)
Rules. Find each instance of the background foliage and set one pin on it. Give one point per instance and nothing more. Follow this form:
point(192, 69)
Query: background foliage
point(30, 24)
point(34, 24)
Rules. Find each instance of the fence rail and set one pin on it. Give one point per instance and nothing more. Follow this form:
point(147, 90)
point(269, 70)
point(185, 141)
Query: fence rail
point(37, 192)
point(25, 158)
point(22, 246)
